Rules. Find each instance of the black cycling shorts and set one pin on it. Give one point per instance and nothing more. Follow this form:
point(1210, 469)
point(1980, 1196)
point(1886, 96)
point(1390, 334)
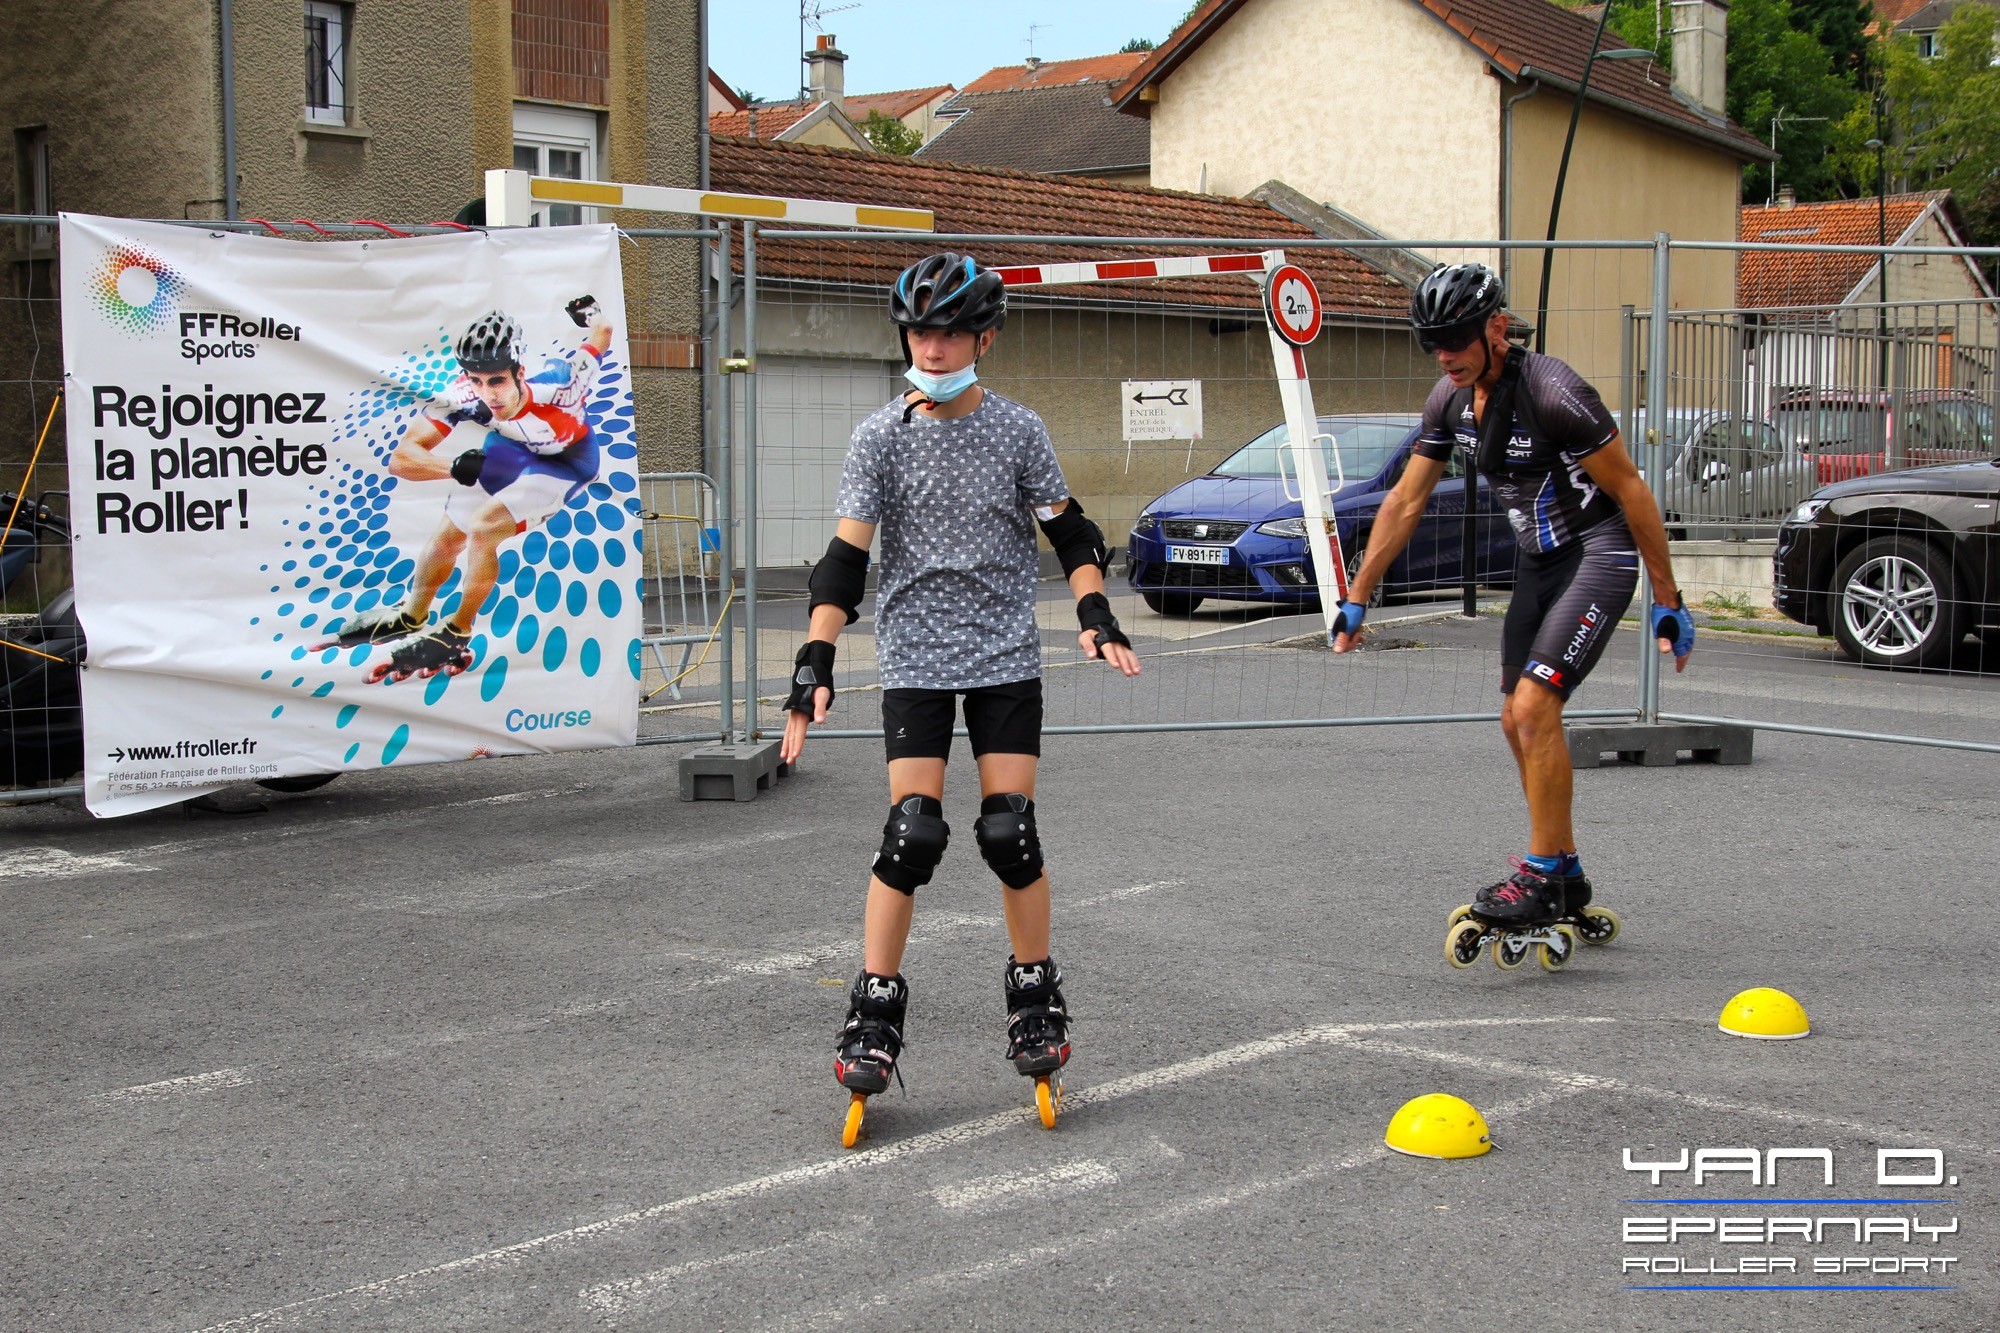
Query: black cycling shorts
point(999, 719)
point(1565, 603)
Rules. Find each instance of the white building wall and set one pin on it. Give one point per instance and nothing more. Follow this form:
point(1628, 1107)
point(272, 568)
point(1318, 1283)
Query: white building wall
point(1347, 101)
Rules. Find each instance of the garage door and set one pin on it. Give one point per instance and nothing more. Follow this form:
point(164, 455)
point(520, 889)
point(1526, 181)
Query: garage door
point(807, 408)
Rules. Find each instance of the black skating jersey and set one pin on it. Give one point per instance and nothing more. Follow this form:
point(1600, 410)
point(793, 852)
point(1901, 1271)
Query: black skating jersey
point(1558, 422)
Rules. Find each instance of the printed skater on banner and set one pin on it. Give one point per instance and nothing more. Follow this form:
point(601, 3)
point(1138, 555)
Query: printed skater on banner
point(538, 453)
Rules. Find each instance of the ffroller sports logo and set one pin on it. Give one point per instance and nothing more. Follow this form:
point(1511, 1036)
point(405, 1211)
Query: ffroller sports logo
point(135, 290)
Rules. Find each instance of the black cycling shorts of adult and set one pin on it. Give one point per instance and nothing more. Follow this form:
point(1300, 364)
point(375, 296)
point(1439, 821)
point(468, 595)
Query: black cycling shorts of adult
point(999, 719)
point(1564, 606)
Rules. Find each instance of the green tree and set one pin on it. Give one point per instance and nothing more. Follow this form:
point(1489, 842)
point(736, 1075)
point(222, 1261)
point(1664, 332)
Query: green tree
point(1137, 44)
point(891, 135)
point(1942, 120)
point(1779, 69)
point(1636, 23)
point(1841, 27)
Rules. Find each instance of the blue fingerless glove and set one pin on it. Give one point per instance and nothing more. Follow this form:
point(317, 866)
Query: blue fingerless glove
point(1677, 624)
point(1350, 618)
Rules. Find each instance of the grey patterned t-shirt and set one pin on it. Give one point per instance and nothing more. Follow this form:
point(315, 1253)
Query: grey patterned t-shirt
point(955, 600)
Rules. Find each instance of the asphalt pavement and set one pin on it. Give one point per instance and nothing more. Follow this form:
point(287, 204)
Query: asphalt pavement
point(531, 1044)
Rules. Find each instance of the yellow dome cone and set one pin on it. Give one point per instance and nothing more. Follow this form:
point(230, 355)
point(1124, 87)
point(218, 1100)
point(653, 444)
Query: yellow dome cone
point(1765, 1015)
point(1438, 1125)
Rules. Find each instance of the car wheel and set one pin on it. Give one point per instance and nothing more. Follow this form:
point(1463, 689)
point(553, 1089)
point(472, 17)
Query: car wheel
point(1354, 559)
point(1895, 604)
point(1169, 603)
point(1675, 532)
point(303, 782)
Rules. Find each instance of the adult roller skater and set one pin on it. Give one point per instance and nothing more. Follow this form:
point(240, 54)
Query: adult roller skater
point(955, 477)
point(535, 450)
point(1584, 518)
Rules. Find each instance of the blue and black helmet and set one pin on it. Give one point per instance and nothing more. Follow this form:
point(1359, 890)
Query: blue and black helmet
point(948, 291)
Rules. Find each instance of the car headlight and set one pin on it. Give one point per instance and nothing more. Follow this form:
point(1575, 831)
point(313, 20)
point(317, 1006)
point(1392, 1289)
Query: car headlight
point(1148, 522)
point(1805, 513)
point(1283, 527)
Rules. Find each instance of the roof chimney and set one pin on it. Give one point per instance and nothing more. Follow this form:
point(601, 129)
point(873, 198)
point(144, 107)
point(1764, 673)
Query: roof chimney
point(1787, 196)
point(826, 77)
point(1701, 45)
point(1034, 68)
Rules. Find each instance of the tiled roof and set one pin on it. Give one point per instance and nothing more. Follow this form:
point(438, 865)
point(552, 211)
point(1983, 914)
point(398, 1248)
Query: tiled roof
point(1772, 278)
point(1894, 12)
point(1543, 39)
point(1065, 128)
point(972, 200)
point(774, 118)
point(1050, 73)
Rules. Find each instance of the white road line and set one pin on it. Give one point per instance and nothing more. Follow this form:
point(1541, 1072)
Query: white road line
point(174, 1087)
point(928, 927)
point(510, 797)
point(1357, 1156)
point(612, 1298)
point(55, 863)
point(1117, 895)
point(1068, 1177)
point(868, 1158)
point(1572, 1078)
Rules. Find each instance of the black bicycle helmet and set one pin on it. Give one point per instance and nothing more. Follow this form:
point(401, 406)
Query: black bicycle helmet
point(1455, 294)
point(492, 343)
point(948, 291)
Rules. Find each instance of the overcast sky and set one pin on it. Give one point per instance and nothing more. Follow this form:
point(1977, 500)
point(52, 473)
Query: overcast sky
point(893, 44)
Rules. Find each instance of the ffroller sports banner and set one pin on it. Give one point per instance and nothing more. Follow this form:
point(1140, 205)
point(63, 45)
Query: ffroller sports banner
point(342, 505)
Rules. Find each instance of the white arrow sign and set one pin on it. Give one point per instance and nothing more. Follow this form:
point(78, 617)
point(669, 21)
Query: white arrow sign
point(1161, 409)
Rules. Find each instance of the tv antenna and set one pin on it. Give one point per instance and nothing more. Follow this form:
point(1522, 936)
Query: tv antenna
point(1034, 28)
point(812, 14)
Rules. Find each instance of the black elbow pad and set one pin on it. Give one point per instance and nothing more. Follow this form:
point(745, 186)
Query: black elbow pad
point(1078, 541)
point(841, 578)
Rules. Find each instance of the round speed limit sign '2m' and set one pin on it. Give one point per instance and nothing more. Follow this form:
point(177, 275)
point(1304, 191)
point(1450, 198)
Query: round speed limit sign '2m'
point(1293, 304)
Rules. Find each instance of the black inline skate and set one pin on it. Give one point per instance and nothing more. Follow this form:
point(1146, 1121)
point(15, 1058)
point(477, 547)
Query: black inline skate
point(1594, 925)
point(385, 624)
point(1526, 911)
point(444, 650)
point(1038, 1030)
point(870, 1040)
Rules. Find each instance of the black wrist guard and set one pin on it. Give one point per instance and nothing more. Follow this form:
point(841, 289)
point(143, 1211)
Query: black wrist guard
point(467, 467)
point(1093, 611)
point(812, 670)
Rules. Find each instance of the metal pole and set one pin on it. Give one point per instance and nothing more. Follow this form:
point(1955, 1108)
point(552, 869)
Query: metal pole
point(1468, 547)
point(1655, 452)
point(228, 24)
point(750, 482)
point(723, 469)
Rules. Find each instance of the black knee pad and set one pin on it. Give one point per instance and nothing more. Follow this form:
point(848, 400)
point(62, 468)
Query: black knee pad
point(1007, 839)
point(913, 842)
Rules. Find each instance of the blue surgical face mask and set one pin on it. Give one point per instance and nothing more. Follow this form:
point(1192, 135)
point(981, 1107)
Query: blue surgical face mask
point(942, 388)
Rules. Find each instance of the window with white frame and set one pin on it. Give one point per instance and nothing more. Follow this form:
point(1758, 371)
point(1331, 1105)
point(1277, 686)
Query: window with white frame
point(556, 141)
point(328, 28)
point(1927, 45)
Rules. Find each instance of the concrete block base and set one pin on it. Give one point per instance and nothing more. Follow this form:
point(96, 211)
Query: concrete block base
point(731, 772)
point(1656, 744)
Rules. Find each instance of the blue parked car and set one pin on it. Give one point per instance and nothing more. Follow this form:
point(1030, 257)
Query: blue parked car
point(1237, 534)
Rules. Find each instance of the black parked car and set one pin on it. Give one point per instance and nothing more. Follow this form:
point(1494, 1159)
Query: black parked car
point(1898, 566)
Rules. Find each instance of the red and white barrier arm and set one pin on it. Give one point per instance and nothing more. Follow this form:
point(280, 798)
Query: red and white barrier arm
point(1125, 270)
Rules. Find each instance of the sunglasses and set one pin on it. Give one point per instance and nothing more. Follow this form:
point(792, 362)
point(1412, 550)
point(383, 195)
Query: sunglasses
point(1453, 338)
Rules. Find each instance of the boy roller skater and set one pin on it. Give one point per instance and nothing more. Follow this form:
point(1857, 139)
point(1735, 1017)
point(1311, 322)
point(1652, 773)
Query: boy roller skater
point(1584, 518)
point(955, 477)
